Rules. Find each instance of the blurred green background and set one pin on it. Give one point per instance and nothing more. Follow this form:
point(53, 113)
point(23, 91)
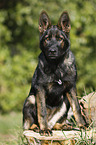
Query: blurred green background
point(19, 45)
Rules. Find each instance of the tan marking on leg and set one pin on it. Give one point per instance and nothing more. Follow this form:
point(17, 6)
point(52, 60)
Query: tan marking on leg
point(41, 109)
point(33, 126)
point(74, 104)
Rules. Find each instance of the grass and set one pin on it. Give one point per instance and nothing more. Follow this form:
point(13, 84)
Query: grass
point(10, 129)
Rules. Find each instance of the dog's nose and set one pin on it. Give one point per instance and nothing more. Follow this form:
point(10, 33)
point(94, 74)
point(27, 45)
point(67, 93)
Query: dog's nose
point(53, 51)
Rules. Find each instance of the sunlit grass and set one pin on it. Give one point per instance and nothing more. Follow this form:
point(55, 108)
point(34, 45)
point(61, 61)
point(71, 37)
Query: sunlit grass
point(10, 127)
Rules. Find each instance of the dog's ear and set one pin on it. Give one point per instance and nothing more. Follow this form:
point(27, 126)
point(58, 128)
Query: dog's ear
point(64, 23)
point(44, 22)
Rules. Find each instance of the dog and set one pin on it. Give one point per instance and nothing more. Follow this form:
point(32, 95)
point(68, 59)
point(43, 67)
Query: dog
point(53, 89)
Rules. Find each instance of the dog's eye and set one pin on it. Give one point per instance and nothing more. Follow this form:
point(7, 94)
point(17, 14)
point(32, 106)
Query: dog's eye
point(59, 38)
point(47, 38)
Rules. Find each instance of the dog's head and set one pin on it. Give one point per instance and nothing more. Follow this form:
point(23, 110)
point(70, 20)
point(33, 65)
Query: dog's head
point(54, 39)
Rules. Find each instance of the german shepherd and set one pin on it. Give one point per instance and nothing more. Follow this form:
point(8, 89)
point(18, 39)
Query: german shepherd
point(53, 89)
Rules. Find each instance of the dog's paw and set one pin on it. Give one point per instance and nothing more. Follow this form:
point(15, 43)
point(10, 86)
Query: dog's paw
point(85, 126)
point(35, 128)
point(67, 127)
point(46, 132)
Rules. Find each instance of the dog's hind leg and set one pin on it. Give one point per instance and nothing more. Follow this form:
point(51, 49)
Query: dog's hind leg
point(29, 113)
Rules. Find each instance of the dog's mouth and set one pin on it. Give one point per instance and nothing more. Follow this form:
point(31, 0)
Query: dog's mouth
point(52, 56)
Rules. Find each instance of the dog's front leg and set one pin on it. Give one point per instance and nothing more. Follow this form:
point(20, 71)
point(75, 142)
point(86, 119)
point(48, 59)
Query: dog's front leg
point(42, 113)
point(76, 107)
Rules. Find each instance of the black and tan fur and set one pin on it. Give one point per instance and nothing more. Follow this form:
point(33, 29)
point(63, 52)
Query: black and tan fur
point(53, 88)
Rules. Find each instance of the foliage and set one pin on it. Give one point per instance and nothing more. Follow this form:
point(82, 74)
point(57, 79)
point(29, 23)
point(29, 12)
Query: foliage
point(19, 45)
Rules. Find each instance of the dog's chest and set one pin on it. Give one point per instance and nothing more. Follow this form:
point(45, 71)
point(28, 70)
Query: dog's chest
point(55, 88)
point(54, 84)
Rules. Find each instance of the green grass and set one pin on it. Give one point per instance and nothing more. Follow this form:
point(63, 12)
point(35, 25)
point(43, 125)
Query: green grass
point(10, 128)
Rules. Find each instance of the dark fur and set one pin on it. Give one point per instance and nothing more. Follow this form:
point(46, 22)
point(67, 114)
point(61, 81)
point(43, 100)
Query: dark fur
point(53, 88)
